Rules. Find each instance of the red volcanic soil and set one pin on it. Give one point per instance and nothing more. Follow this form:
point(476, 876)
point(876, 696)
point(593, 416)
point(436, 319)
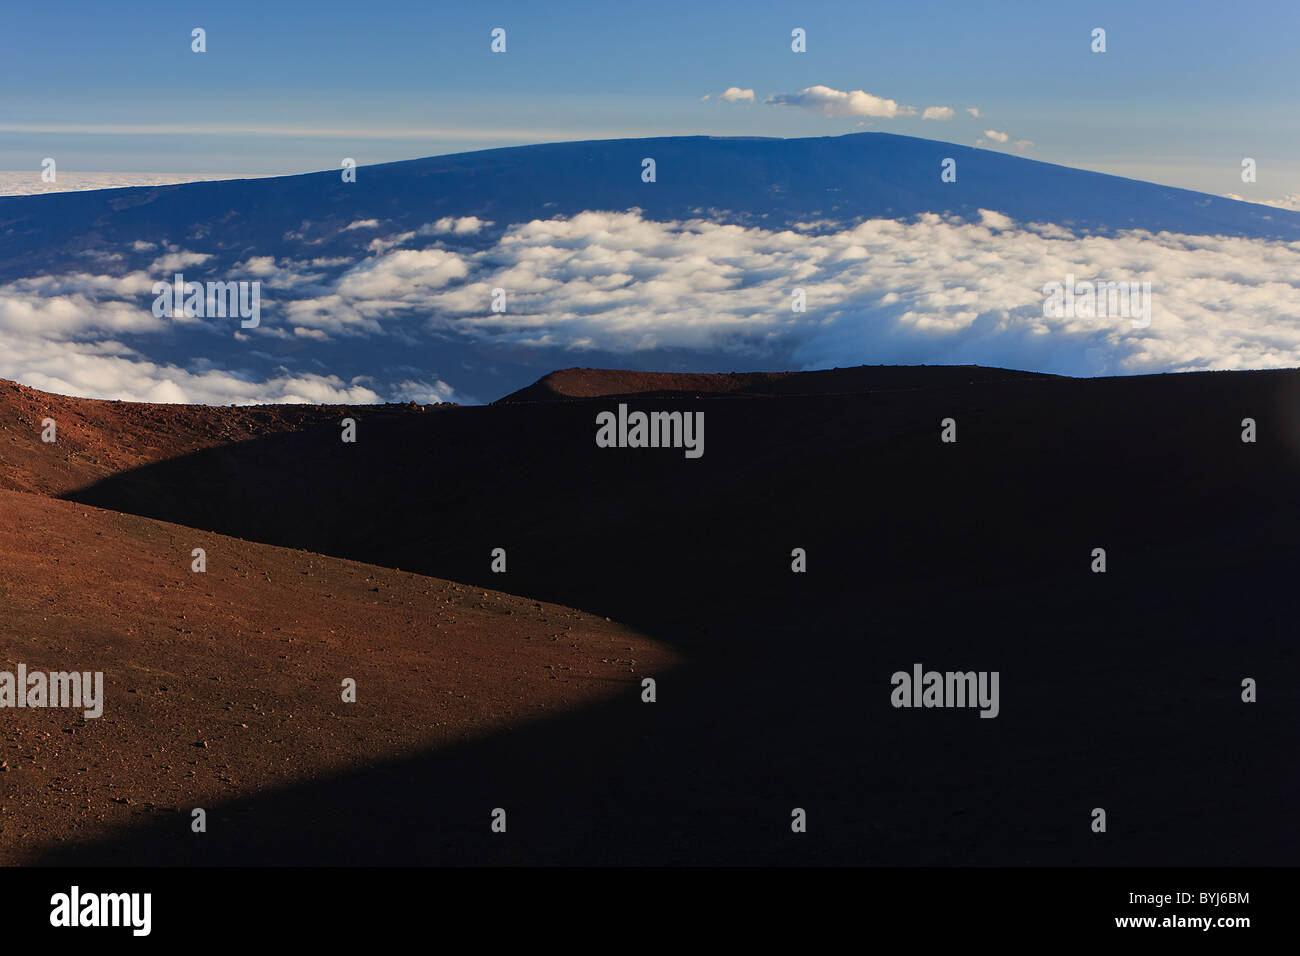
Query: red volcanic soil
point(573, 383)
point(224, 684)
point(1119, 690)
point(98, 438)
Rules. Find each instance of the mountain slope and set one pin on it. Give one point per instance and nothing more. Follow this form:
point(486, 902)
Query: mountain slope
point(97, 439)
point(574, 383)
point(1119, 690)
point(225, 685)
point(773, 181)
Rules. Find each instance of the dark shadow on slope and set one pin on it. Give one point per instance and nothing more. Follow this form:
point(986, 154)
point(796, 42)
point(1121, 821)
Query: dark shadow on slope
point(1118, 690)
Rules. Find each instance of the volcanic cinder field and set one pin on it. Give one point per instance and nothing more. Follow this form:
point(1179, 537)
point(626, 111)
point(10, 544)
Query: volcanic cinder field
point(522, 690)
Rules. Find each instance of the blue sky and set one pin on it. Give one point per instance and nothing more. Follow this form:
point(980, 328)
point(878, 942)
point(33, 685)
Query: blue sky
point(1185, 90)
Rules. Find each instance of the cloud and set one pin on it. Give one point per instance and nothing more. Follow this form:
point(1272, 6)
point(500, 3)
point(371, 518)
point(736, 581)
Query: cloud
point(829, 102)
point(973, 111)
point(463, 226)
point(1290, 201)
point(59, 335)
point(932, 290)
point(382, 245)
point(178, 260)
point(938, 113)
point(427, 393)
point(333, 313)
point(77, 304)
point(362, 224)
point(271, 274)
point(993, 219)
point(110, 370)
point(734, 94)
point(402, 274)
point(996, 136)
point(1023, 144)
point(384, 286)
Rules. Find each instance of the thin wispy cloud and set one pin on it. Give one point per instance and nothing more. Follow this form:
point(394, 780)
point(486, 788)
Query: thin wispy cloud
point(28, 182)
point(413, 132)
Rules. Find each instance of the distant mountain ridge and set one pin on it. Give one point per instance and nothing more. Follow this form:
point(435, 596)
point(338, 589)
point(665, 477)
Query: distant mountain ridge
point(578, 383)
point(775, 181)
point(383, 288)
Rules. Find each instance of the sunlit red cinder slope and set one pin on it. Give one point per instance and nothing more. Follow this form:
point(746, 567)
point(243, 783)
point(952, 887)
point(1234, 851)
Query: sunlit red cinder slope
point(224, 684)
point(1120, 690)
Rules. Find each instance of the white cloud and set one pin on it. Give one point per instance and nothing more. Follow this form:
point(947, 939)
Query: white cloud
point(930, 290)
point(402, 274)
point(463, 226)
point(362, 224)
point(334, 313)
point(272, 275)
point(383, 245)
point(76, 304)
point(111, 370)
point(993, 219)
point(996, 136)
point(734, 94)
point(973, 111)
point(66, 317)
point(938, 113)
point(258, 265)
point(1023, 144)
point(427, 393)
point(933, 289)
point(829, 102)
point(179, 260)
point(1290, 201)
point(379, 287)
point(54, 330)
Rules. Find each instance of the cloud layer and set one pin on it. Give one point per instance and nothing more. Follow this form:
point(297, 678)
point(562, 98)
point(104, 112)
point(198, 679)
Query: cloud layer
point(929, 290)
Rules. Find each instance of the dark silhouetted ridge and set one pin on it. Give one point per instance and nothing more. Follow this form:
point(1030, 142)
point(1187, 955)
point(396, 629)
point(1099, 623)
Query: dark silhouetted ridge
point(576, 383)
